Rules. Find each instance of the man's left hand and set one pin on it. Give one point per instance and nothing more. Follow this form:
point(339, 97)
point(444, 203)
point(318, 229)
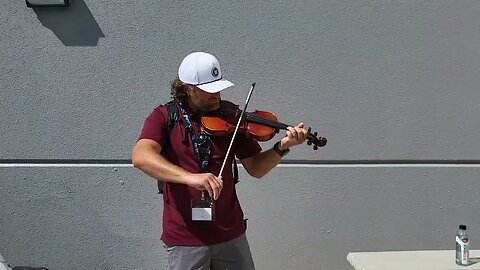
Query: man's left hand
point(295, 136)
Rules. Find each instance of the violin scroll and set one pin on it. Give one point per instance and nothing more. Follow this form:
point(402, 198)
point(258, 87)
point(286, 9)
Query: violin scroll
point(312, 139)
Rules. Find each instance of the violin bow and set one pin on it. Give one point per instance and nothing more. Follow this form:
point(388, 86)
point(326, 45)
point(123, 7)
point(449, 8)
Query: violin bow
point(236, 128)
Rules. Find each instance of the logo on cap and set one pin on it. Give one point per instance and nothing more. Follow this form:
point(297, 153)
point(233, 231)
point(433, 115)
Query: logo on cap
point(215, 72)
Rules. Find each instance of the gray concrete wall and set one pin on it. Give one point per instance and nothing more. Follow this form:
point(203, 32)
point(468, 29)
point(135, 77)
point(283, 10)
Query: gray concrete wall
point(393, 85)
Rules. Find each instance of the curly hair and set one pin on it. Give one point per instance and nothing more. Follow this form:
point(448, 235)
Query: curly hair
point(177, 90)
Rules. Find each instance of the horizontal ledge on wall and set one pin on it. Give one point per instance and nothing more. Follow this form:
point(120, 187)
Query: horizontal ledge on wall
point(92, 163)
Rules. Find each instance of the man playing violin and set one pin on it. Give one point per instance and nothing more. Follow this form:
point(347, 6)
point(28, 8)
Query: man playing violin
point(198, 235)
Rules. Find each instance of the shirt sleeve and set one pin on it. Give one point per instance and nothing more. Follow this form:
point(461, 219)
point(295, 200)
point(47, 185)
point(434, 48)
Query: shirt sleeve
point(155, 125)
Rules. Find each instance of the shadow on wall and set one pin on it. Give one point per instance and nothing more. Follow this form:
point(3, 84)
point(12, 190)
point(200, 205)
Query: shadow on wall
point(73, 25)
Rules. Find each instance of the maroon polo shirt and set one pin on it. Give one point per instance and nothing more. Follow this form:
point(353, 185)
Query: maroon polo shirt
point(178, 227)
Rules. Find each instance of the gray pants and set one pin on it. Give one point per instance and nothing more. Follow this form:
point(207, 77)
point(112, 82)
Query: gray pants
point(231, 255)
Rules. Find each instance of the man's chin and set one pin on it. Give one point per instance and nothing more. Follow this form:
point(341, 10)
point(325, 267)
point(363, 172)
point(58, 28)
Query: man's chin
point(212, 107)
point(209, 110)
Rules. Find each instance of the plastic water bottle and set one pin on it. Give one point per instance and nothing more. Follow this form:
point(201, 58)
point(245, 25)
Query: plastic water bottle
point(462, 246)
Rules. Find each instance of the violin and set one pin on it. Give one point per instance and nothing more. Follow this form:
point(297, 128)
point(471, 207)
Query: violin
point(258, 125)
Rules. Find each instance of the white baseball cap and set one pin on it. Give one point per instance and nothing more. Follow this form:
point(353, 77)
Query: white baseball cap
point(202, 70)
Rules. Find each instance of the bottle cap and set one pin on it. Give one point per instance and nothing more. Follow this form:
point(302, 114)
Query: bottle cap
point(462, 227)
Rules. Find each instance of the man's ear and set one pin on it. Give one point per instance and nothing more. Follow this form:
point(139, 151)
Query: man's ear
point(188, 89)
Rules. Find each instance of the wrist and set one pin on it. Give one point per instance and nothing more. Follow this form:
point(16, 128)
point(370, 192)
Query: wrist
point(279, 146)
point(188, 179)
point(281, 152)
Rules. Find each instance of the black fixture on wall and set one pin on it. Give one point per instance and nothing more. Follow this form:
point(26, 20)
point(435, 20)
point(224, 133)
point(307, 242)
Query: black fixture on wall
point(47, 3)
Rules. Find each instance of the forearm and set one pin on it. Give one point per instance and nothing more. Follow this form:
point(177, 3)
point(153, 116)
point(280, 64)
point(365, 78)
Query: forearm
point(146, 157)
point(263, 162)
point(161, 169)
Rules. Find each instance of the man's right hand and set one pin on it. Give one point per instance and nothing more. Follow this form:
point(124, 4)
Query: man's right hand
point(208, 182)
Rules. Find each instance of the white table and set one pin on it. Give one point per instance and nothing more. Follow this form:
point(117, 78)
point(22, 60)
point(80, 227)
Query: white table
point(411, 260)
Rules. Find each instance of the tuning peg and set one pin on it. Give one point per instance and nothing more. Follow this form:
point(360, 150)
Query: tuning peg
point(322, 141)
point(309, 142)
point(315, 147)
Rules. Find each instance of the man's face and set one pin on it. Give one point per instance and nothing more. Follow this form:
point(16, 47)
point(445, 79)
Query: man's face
point(201, 100)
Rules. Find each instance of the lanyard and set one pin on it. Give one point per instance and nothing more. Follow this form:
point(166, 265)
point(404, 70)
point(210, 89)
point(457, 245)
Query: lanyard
point(201, 142)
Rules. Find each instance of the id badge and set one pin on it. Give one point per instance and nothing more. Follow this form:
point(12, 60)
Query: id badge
point(203, 208)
